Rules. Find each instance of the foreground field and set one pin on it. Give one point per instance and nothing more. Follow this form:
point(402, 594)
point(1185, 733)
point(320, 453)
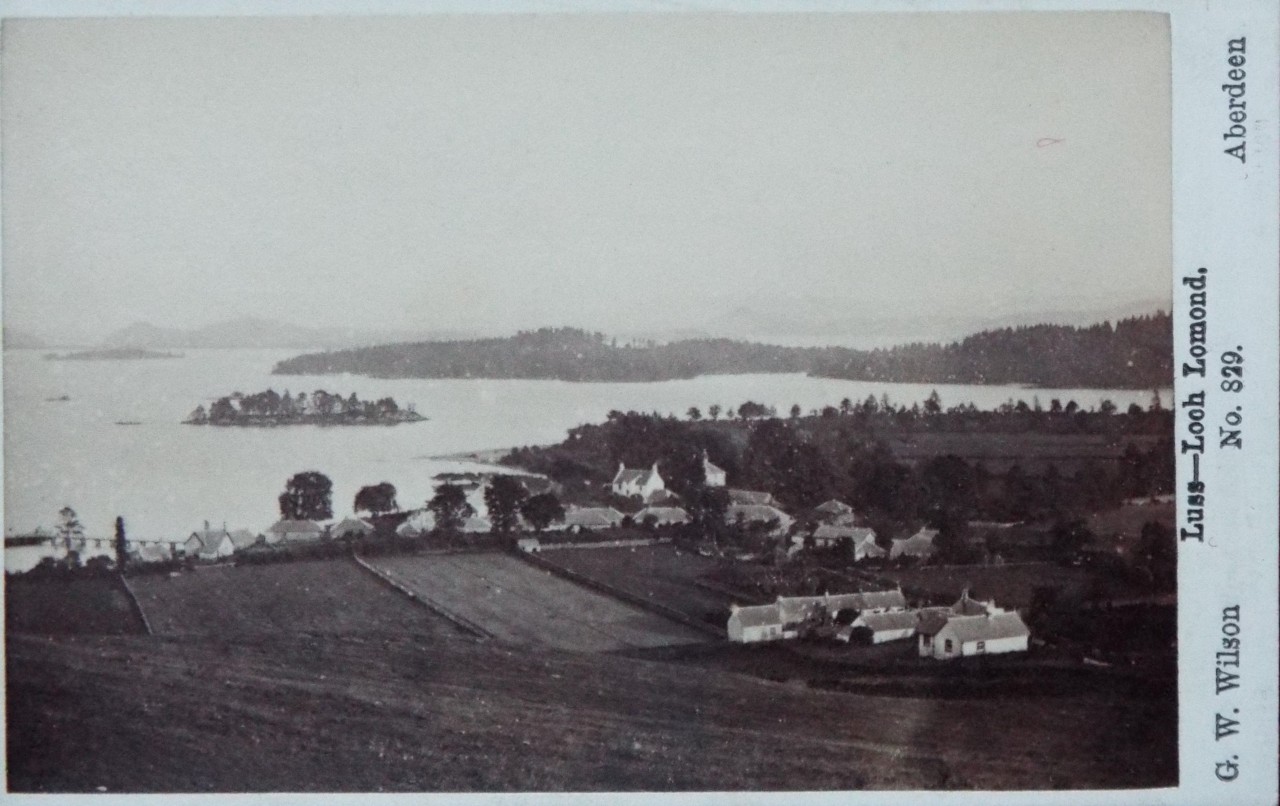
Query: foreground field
point(332, 596)
point(518, 603)
point(659, 573)
point(359, 713)
point(85, 606)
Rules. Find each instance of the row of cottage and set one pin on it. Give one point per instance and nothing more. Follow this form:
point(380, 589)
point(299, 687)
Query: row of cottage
point(967, 627)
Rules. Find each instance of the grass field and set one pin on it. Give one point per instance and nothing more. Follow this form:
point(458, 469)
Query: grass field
point(91, 605)
point(519, 603)
point(332, 596)
point(658, 573)
point(358, 713)
point(1122, 526)
point(1033, 451)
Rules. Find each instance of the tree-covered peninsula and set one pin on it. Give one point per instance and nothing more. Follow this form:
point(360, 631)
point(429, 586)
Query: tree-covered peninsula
point(1135, 353)
point(319, 408)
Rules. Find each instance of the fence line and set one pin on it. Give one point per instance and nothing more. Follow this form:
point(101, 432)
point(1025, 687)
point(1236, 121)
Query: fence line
point(461, 623)
point(137, 606)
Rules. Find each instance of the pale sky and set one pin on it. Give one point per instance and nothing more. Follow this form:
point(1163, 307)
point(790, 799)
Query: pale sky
point(617, 172)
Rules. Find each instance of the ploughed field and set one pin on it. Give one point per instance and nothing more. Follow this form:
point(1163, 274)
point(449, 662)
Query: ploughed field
point(658, 573)
point(362, 712)
point(519, 603)
point(326, 596)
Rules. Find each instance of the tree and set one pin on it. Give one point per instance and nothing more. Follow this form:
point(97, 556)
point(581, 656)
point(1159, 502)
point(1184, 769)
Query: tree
point(750, 410)
point(542, 510)
point(795, 411)
point(69, 527)
point(714, 411)
point(846, 407)
point(503, 498)
point(122, 547)
point(707, 508)
point(1107, 407)
point(933, 403)
point(694, 413)
point(450, 508)
point(307, 496)
point(377, 499)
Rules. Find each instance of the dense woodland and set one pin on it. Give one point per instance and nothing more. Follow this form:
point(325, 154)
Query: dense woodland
point(804, 461)
point(1134, 353)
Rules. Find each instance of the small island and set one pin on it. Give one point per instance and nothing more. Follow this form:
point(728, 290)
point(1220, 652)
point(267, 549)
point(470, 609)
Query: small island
point(319, 408)
point(114, 354)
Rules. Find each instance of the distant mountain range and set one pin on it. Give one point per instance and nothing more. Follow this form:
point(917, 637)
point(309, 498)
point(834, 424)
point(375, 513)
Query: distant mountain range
point(1134, 353)
point(254, 332)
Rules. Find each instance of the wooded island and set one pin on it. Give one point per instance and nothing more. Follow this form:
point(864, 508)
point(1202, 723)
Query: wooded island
point(318, 408)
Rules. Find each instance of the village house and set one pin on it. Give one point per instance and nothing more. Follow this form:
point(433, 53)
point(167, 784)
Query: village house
point(712, 476)
point(290, 531)
point(748, 625)
point(782, 618)
point(662, 516)
point(419, 522)
point(920, 544)
point(759, 515)
point(641, 483)
point(836, 513)
point(861, 538)
point(893, 625)
point(577, 519)
point(752, 498)
point(243, 538)
point(209, 544)
point(154, 552)
point(963, 636)
point(352, 527)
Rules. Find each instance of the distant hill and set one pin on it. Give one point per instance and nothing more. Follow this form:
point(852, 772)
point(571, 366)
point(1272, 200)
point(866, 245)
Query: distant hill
point(117, 354)
point(249, 332)
point(1134, 353)
point(15, 339)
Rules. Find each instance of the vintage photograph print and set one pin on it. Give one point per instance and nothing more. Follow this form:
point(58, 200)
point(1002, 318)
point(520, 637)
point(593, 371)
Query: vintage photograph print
point(588, 402)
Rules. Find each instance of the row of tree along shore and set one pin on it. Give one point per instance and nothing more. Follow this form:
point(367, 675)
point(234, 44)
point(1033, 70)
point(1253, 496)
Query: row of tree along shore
point(1135, 353)
point(320, 407)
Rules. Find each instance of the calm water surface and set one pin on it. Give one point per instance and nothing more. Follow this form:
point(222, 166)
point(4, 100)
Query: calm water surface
point(166, 478)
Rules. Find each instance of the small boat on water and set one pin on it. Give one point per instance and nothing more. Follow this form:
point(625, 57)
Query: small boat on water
point(59, 399)
point(127, 422)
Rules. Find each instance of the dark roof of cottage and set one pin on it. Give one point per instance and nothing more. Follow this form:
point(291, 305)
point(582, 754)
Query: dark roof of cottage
point(986, 628)
point(833, 507)
point(891, 620)
point(933, 619)
point(857, 534)
point(288, 527)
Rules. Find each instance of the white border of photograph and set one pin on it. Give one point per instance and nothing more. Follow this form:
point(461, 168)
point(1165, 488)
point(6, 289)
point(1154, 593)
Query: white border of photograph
point(1225, 219)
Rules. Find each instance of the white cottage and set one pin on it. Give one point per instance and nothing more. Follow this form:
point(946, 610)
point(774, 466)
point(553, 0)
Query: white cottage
point(712, 476)
point(749, 625)
point(962, 636)
point(633, 481)
point(893, 625)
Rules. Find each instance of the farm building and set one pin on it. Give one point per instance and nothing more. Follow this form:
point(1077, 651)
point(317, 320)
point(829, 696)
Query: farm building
point(749, 625)
point(713, 476)
point(919, 544)
point(154, 552)
point(759, 514)
point(662, 516)
point(752, 498)
point(579, 518)
point(861, 538)
point(634, 481)
point(289, 531)
point(834, 512)
point(779, 620)
point(419, 523)
point(893, 625)
point(352, 527)
point(529, 544)
point(209, 544)
point(962, 636)
point(242, 538)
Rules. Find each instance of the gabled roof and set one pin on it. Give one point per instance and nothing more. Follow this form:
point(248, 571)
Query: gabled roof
point(242, 538)
point(757, 513)
point(933, 619)
point(592, 517)
point(422, 520)
point(858, 534)
point(833, 507)
point(351, 525)
point(919, 543)
point(892, 620)
point(967, 606)
point(986, 628)
point(751, 497)
point(709, 469)
point(637, 477)
point(210, 541)
point(662, 515)
point(758, 615)
point(287, 527)
point(794, 608)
